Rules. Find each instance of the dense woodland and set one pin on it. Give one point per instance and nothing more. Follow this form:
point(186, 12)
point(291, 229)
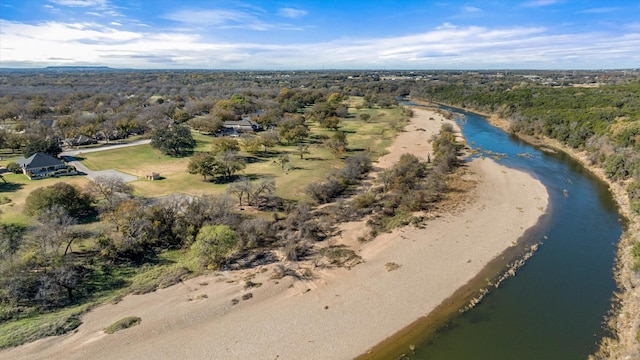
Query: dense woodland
point(603, 120)
point(81, 245)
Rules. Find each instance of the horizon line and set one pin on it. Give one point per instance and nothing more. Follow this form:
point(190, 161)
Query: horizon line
point(107, 67)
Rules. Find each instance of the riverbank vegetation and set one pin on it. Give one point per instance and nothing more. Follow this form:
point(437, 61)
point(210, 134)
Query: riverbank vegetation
point(599, 123)
point(251, 197)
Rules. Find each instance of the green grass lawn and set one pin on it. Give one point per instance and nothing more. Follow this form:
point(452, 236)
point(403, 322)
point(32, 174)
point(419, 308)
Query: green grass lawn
point(20, 187)
point(373, 136)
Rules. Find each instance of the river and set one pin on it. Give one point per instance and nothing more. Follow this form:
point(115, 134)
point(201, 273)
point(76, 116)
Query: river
point(555, 307)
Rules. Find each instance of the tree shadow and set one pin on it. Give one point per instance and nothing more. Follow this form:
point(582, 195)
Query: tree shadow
point(70, 158)
point(354, 150)
point(263, 157)
point(254, 177)
point(252, 259)
point(222, 180)
point(10, 187)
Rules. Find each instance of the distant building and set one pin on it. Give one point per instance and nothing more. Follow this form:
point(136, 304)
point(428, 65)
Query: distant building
point(79, 141)
point(244, 125)
point(42, 165)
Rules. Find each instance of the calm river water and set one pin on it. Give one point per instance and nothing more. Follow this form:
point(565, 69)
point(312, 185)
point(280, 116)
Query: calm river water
point(554, 308)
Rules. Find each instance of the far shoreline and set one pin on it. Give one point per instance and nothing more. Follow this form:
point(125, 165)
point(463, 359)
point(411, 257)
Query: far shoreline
point(624, 319)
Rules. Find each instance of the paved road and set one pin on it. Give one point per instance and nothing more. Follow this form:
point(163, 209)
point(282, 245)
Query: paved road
point(103, 148)
point(69, 157)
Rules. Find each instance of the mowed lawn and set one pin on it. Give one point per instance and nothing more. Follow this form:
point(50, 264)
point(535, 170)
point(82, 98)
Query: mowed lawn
point(373, 137)
point(143, 159)
point(20, 187)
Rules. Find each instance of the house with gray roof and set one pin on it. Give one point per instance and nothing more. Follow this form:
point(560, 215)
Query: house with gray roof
point(42, 165)
point(244, 125)
point(79, 141)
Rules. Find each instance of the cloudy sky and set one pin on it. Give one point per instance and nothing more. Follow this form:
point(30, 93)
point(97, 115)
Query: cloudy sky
point(322, 34)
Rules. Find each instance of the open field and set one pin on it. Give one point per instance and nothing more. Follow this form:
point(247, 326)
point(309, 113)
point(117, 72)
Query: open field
point(373, 136)
point(20, 187)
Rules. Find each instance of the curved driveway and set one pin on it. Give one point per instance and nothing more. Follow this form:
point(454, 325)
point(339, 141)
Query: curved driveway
point(69, 157)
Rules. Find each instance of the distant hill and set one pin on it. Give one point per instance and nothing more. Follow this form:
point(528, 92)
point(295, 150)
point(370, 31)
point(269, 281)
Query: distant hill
point(80, 68)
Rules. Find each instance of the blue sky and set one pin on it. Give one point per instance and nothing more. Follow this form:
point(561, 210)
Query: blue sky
point(347, 34)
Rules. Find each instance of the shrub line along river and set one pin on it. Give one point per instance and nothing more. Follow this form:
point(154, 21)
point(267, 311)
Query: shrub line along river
point(556, 305)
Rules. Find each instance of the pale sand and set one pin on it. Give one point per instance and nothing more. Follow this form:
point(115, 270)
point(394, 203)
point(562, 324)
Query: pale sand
point(340, 314)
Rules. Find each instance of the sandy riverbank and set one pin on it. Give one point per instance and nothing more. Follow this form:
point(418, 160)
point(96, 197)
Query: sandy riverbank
point(340, 313)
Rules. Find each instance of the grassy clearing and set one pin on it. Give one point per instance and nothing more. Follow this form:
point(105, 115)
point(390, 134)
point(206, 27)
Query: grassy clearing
point(373, 136)
point(35, 327)
point(20, 187)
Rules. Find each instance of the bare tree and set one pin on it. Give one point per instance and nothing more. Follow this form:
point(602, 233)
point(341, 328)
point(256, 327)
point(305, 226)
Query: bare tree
point(241, 189)
point(263, 188)
point(302, 149)
point(112, 188)
point(55, 229)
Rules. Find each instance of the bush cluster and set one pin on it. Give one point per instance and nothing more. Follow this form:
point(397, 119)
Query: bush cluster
point(356, 167)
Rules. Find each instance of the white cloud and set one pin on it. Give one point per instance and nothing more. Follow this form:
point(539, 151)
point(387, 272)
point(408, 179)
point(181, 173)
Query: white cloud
point(211, 17)
point(539, 3)
point(226, 19)
point(80, 3)
point(444, 47)
point(292, 13)
point(600, 10)
point(446, 26)
point(471, 9)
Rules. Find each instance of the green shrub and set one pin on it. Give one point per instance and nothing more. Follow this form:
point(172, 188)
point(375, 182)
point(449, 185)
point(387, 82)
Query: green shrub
point(364, 201)
point(14, 168)
point(635, 252)
point(213, 244)
point(633, 192)
point(340, 256)
point(124, 323)
point(158, 277)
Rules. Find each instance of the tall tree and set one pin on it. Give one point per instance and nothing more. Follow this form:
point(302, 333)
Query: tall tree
point(10, 240)
point(56, 228)
point(202, 164)
point(292, 128)
point(48, 146)
point(337, 143)
point(228, 163)
point(222, 144)
point(69, 197)
point(174, 140)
